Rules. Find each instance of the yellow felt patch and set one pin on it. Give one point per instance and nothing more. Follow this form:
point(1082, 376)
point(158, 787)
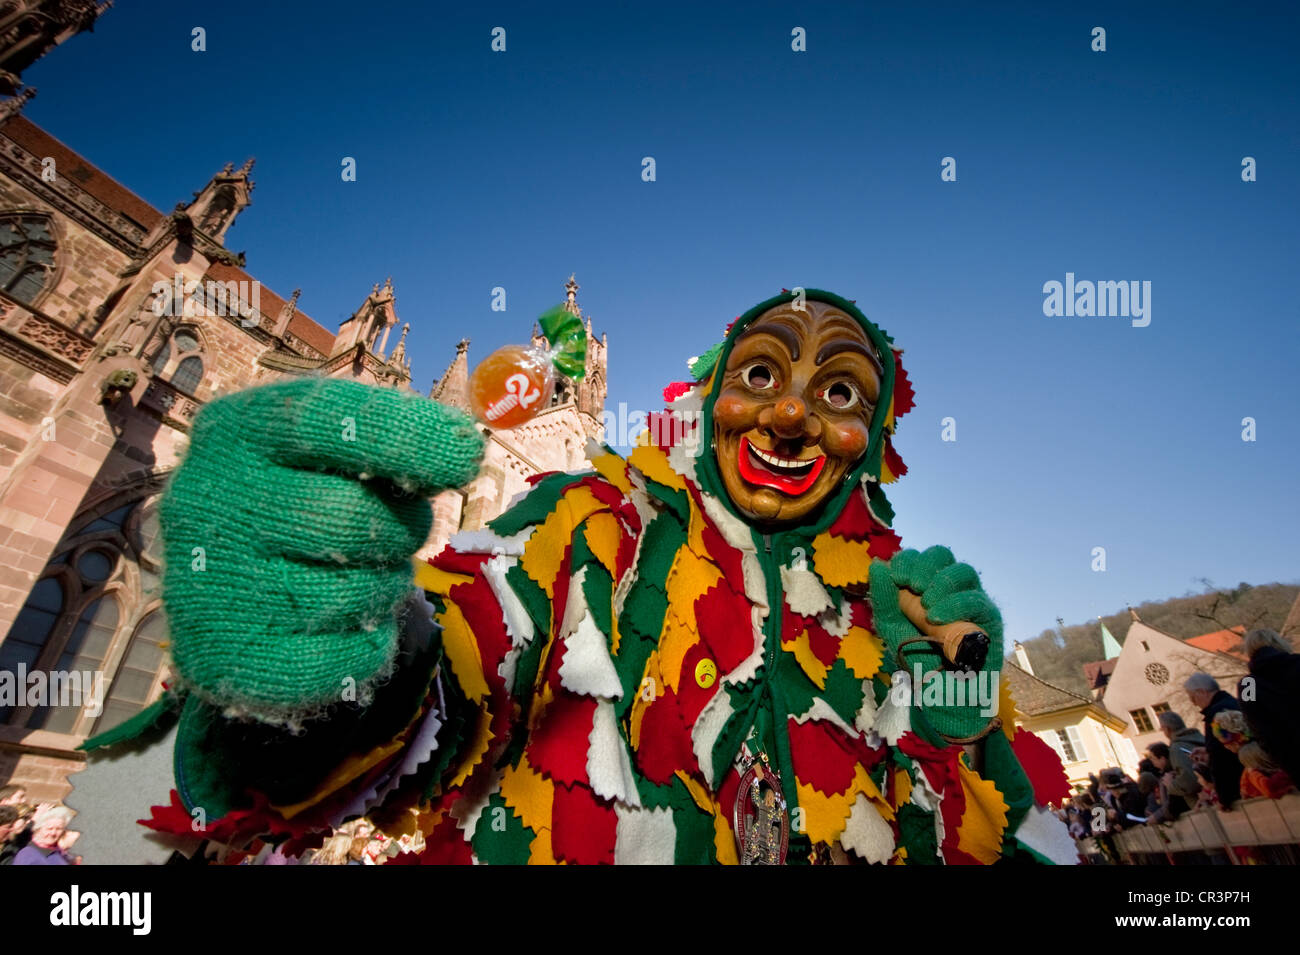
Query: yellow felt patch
point(802, 649)
point(653, 463)
point(839, 562)
point(602, 533)
point(476, 749)
point(581, 504)
point(724, 841)
point(613, 469)
point(654, 675)
point(697, 791)
point(540, 851)
point(862, 651)
point(985, 818)
point(545, 548)
point(1007, 711)
point(436, 580)
point(826, 815)
point(902, 788)
point(689, 579)
point(889, 416)
point(675, 641)
point(461, 647)
point(530, 794)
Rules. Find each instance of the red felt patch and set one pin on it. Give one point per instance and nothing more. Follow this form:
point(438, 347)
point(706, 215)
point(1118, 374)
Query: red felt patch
point(483, 614)
point(724, 622)
point(821, 756)
point(676, 389)
point(855, 522)
point(1043, 767)
point(665, 745)
point(446, 845)
point(459, 562)
point(533, 479)
point(585, 827)
point(558, 746)
point(893, 461)
point(884, 544)
point(691, 697)
point(904, 395)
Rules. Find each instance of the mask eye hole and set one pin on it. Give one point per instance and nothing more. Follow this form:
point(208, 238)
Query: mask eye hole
point(841, 396)
point(759, 376)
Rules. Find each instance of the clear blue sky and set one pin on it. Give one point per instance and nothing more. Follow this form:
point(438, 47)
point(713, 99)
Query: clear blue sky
point(820, 169)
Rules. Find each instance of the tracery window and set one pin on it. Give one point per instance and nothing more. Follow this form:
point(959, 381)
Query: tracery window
point(27, 248)
point(94, 618)
point(180, 360)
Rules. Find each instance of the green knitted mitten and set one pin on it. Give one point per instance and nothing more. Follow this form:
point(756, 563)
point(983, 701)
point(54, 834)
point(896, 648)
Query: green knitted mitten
point(288, 532)
point(949, 591)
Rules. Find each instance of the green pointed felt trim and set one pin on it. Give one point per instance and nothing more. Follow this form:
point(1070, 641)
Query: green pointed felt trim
point(879, 504)
point(1003, 769)
point(533, 597)
point(568, 338)
point(501, 838)
point(161, 713)
point(642, 620)
point(536, 506)
point(695, 831)
point(598, 589)
point(843, 691)
point(702, 366)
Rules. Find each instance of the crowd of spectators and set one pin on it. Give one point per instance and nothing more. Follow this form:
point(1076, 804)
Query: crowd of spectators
point(1248, 746)
point(34, 834)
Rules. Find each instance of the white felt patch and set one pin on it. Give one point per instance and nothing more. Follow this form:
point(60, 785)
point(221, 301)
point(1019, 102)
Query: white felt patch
point(608, 765)
point(836, 624)
point(821, 711)
point(866, 833)
point(483, 541)
point(804, 593)
point(1041, 831)
point(704, 734)
point(587, 668)
point(894, 717)
point(688, 407)
point(866, 719)
point(747, 668)
point(644, 836)
point(519, 625)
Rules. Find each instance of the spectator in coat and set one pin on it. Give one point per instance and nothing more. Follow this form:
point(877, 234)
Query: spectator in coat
point(49, 839)
point(1270, 697)
point(1174, 759)
point(1203, 690)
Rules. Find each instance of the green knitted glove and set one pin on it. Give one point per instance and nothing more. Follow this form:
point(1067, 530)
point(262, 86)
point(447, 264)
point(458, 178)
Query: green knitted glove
point(288, 532)
point(949, 592)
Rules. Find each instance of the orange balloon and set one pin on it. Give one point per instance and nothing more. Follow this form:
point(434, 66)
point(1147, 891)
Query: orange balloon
point(510, 386)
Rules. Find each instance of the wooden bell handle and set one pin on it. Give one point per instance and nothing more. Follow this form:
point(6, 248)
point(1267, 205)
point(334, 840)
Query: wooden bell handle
point(963, 643)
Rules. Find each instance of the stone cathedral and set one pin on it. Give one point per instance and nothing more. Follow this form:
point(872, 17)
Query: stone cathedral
point(118, 321)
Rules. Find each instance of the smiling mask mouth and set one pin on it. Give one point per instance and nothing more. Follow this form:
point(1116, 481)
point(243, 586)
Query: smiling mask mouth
point(791, 476)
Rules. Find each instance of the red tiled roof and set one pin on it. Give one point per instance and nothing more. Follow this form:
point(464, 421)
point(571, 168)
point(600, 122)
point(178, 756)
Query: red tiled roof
point(300, 325)
point(68, 163)
point(1221, 641)
point(1098, 673)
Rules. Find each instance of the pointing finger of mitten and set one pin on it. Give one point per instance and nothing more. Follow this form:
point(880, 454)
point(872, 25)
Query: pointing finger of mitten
point(903, 568)
point(951, 580)
point(931, 561)
point(331, 517)
point(364, 430)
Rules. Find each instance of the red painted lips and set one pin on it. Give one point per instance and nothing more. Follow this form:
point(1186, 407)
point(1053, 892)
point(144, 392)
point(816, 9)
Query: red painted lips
point(788, 475)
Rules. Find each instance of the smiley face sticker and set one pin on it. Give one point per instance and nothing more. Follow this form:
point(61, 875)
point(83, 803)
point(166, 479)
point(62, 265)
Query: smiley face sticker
point(706, 673)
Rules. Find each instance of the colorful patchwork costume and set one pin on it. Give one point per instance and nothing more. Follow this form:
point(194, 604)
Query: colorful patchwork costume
point(622, 667)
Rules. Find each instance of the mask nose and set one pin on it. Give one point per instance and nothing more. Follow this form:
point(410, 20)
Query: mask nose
point(788, 418)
